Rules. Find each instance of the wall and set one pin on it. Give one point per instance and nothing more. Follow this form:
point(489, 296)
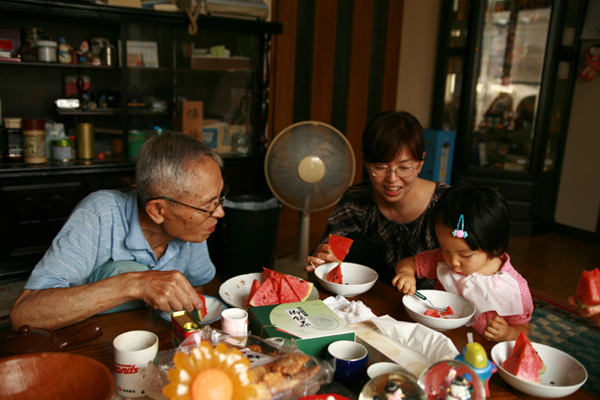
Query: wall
point(578, 201)
point(416, 76)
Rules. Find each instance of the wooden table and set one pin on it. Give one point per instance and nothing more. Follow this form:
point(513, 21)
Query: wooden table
point(382, 299)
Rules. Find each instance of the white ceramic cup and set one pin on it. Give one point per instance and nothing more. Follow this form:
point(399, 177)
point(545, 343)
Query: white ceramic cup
point(379, 368)
point(133, 351)
point(234, 321)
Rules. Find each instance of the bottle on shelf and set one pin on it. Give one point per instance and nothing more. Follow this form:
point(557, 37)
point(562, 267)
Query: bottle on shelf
point(14, 139)
point(34, 141)
point(2, 136)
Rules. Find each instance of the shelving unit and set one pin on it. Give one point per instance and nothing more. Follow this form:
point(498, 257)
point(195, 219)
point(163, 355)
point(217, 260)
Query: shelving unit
point(505, 79)
point(37, 199)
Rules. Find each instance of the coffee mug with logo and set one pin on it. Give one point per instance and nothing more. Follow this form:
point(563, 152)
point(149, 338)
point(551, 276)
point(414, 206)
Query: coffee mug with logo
point(133, 351)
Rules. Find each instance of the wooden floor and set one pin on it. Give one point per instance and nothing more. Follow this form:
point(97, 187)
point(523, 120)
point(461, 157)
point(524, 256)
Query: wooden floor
point(551, 263)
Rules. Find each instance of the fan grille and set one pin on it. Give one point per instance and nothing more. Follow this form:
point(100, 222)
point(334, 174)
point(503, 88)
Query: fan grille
point(295, 143)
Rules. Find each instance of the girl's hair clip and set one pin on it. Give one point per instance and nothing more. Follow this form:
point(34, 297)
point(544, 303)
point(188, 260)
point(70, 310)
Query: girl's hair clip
point(460, 233)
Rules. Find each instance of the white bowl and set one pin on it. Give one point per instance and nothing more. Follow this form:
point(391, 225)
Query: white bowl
point(463, 309)
point(356, 278)
point(384, 367)
point(564, 375)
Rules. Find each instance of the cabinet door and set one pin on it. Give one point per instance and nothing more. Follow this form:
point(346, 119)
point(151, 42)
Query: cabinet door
point(515, 36)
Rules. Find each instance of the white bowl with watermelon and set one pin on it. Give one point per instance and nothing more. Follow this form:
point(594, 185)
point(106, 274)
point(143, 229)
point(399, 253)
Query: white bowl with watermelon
point(346, 279)
point(459, 310)
point(538, 370)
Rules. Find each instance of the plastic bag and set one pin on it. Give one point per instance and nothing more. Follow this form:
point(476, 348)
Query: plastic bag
point(291, 373)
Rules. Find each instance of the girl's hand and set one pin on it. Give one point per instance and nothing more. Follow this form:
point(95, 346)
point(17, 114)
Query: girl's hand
point(496, 330)
point(320, 256)
point(405, 283)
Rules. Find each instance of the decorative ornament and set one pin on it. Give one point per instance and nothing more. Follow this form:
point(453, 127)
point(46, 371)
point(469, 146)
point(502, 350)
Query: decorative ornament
point(460, 233)
point(591, 66)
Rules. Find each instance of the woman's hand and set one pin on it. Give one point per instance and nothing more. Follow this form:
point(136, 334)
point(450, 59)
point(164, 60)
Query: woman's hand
point(320, 256)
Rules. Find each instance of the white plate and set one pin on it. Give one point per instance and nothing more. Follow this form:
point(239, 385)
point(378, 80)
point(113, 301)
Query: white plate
point(564, 375)
point(235, 291)
point(214, 308)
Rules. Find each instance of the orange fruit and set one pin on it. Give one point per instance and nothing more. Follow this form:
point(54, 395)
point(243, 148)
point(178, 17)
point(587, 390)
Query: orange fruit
point(211, 384)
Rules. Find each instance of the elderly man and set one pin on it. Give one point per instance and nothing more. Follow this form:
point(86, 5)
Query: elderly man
point(118, 251)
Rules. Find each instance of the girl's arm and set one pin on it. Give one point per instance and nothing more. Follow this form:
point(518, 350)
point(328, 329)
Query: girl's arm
point(498, 330)
point(405, 279)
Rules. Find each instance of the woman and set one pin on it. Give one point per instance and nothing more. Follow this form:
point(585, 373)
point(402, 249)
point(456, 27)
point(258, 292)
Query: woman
point(388, 216)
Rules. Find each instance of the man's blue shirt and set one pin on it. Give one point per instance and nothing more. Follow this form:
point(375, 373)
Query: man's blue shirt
point(105, 227)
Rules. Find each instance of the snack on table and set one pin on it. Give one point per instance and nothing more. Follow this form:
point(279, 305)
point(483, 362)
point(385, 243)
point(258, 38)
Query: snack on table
point(278, 288)
point(588, 289)
point(248, 367)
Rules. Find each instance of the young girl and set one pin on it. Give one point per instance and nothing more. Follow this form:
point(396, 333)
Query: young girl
point(471, 226)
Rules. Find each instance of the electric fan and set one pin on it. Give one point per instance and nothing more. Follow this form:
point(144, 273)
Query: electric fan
point(308, 166)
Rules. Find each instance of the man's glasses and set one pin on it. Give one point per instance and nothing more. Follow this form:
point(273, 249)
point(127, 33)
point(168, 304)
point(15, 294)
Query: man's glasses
point(403, 171)
point(209, 212)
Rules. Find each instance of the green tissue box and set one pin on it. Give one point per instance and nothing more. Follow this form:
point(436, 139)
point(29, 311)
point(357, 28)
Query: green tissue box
point(311, 324)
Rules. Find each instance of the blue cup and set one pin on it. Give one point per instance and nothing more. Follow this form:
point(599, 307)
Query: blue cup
point(350, 359)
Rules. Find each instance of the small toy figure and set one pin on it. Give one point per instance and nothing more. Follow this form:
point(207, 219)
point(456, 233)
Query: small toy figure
point(459, 389)
point(393, 391)
point(83, 53)
point(591, 66)
point(475, 356)
point(64, 51)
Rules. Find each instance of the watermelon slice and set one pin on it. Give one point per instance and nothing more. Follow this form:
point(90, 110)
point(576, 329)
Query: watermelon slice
point(339, 247)
point(253, 289)
point(200, 313)
point(264, 295)
point(588, 290)
point(335, 275)
point(275, 277)
point(286, 294)
point(301, 287)
point(524, 362)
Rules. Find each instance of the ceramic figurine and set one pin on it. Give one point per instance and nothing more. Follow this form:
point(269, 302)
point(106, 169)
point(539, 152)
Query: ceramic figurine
point(475, 356)
point(591, 66)
point(459, 389)
point(83, 53)
point(64, 51)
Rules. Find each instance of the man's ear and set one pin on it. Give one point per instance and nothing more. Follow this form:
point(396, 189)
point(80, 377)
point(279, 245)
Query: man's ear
point(156, 210)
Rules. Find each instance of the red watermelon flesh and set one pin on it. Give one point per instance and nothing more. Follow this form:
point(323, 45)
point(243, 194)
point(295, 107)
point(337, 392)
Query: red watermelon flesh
point(588, 290)
point(253, 289)
point(449, 311)
point(275, 277)
point(339, 247)
point(524, 362)
point(335, 275)
point(264, 295)
point(200, 313)
point(432, 312)
point(286, 294)
point(301, 287)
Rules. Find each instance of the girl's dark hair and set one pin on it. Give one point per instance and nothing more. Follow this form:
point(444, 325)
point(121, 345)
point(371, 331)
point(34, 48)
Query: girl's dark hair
point(390, 132)
point(486, 216)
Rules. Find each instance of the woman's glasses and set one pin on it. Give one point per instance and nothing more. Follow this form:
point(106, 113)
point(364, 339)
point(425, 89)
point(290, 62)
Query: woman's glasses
point(209, 212)
point(403, 171)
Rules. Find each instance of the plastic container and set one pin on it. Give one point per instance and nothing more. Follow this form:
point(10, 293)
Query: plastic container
point(245, 239)
point(46, 50)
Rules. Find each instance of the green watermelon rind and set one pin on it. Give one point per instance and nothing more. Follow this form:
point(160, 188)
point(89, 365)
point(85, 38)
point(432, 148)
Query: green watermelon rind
point(308, 284)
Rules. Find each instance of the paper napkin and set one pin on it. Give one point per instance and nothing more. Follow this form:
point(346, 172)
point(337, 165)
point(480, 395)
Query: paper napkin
point(351, 312)
point(432, 344)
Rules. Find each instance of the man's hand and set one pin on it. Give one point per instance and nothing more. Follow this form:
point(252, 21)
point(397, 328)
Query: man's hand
point(166, 290)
